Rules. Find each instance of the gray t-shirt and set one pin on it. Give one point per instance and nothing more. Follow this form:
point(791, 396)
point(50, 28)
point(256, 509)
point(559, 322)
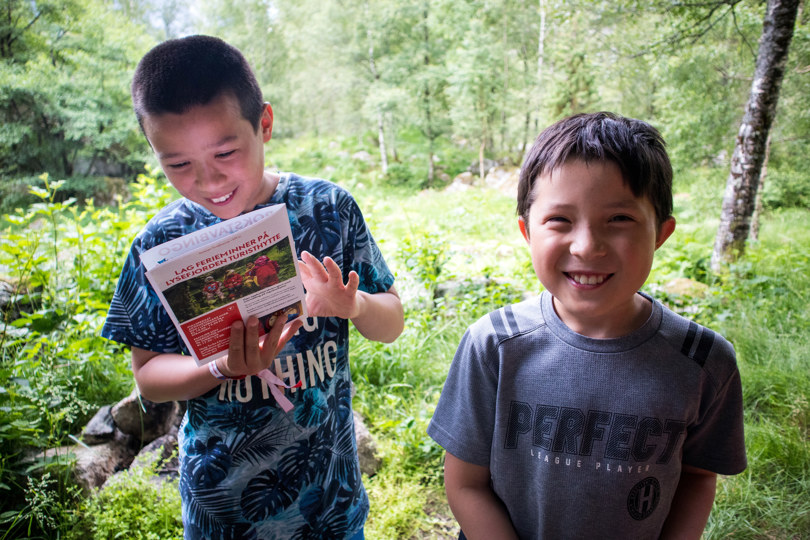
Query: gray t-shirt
point(585, 438)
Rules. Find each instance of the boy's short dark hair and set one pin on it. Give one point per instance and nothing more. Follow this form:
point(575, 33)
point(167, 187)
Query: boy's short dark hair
point(182, 73)
point(637, 148)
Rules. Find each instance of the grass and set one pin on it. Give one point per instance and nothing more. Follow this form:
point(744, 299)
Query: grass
point(429, 238)
point(760, 306)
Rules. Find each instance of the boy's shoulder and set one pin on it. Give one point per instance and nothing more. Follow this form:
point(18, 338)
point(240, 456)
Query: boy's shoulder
point(509, 322)
point(675, 333)
point(294, 189)
point(696, 342)
point(178, 218)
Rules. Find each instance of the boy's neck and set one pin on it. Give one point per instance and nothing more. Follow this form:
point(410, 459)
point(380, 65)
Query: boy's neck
point(604, 327)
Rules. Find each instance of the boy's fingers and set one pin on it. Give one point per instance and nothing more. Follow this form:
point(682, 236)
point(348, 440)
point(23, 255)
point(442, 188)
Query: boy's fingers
point(289, 331)
point(314, 266)
point(252, 341)
point(236, 347)
point(354, 281)
point(275, 339)
point(333, 270)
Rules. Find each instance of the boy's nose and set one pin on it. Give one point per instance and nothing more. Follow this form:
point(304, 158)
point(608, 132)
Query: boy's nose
point(205, 174)
point(587, 243)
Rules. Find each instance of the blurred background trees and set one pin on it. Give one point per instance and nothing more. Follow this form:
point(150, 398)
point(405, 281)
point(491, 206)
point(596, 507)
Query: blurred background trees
point(431, 86)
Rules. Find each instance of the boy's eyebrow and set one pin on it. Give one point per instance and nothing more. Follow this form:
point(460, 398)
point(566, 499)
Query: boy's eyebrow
point(619, 204)
point(224, 140)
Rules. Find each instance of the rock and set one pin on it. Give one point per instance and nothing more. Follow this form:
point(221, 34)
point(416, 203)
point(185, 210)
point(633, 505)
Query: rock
point(101, 427)
point(160, 454)
point(95, 464)
point(504, 179)
point(685, 287)
point(466, 178)
point(362, 155)
point(147, 423)
point(462, 182)
point(6, 293)
point(455, 287)
point(366, 447)
point(489, 164)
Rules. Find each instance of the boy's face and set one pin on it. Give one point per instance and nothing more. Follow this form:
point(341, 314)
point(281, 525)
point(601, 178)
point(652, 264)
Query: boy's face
point(213, 156)
point(592, 243)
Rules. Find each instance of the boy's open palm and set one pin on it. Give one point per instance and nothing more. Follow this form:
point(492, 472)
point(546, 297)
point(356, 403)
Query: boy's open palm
point(327, 295)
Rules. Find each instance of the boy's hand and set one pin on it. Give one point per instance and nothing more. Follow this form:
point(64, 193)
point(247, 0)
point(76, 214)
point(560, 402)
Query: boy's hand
point(327, 295)
point(248, 354)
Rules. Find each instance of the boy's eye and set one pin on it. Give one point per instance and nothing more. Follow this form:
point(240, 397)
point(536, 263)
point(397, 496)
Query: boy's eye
point(621, 217)
point(177, 165)
point(225, 154)
point(557, 219)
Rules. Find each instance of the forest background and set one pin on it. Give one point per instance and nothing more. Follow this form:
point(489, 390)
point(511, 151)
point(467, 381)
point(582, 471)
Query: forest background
point(393, 100)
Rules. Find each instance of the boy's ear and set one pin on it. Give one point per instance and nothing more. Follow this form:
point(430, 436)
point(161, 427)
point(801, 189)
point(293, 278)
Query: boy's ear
point(665, 231)
point(266, 122)
point(524, 228)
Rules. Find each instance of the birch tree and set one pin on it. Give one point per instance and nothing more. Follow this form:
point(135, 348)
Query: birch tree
point(742, 184)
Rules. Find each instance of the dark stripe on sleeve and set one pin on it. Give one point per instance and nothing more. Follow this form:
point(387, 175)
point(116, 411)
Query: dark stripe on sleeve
point(510, 320)
point(689, 340)
point(704, 346)
point(497, 323)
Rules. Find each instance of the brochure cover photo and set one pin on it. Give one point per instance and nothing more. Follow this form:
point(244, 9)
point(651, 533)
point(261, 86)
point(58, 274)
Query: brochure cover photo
point(227, 272)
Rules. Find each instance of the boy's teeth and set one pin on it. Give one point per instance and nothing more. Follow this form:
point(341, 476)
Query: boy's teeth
point(222, 199)
point(587, 280)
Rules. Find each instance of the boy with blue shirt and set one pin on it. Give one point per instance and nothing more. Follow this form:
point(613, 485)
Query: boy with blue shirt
point(247, 468)
point(592, 411)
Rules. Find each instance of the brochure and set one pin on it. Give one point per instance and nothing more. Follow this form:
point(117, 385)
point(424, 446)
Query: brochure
point(240, 267)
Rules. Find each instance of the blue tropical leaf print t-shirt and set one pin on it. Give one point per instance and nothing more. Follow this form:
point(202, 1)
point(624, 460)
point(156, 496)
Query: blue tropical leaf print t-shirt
point(247, 468)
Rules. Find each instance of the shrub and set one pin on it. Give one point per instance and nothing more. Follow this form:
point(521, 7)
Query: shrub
point(136, 504)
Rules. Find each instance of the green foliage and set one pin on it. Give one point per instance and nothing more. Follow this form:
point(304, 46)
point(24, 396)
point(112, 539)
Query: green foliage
point(137, 504)
point(786, 189)
point(61, 264)
point(64, 97)
point(17, 193)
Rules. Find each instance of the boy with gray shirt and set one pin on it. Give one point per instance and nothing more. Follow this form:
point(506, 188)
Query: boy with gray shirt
point(591, 410)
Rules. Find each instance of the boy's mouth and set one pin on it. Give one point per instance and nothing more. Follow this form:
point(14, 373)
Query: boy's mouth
point(224, 198)
point(588, 279)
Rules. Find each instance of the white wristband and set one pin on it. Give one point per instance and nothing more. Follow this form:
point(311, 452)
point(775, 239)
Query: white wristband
point(214, 369)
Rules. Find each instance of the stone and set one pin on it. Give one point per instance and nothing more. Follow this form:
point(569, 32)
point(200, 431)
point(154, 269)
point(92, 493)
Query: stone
point(144, 419)
point(101, 427)
point(503, 179)
point(93, 465)
point(366, 447)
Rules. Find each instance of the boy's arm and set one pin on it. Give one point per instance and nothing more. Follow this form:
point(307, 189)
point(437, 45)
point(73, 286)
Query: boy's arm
point(174, 377)
point(378, 317)
point(692, 504)
point(475, 506)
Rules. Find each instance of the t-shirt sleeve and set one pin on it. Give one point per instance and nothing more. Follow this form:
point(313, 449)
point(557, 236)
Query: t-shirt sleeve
point(136, 317)
point(464, 419)
point(716, 441)
point(362, 251)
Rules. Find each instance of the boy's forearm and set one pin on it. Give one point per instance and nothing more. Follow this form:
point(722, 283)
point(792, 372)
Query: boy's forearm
point(481, 514)
point(691, 506)
point(170, 377)
point(474, 504)
point(381, 316)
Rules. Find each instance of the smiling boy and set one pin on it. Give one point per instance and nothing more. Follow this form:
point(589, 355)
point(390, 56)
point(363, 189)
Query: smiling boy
point(248, 469)
point(591, 411)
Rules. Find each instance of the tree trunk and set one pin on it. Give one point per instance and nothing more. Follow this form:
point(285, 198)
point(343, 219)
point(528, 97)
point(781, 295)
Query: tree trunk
point(749, 152)
point(426, 99)
point(754, 234)
point(381, 140)
point(372, 66)
point(481, 158)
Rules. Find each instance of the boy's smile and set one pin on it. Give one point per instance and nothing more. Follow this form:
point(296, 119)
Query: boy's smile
point(592, 243)
point(212, 155)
